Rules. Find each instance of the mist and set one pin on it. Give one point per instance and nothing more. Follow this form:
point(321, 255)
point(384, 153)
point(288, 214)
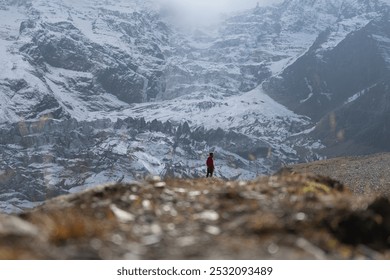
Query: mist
point(205, 12)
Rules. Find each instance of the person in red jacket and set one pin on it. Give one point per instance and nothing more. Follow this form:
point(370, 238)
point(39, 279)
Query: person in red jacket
point(210, 165)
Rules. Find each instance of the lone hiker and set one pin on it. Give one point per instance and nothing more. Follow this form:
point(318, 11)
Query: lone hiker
point(210, 165)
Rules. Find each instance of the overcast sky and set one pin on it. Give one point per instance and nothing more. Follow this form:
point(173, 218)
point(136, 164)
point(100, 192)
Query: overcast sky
point(208, 11)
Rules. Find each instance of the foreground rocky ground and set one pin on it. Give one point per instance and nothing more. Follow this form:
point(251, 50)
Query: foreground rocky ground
point(286, 216)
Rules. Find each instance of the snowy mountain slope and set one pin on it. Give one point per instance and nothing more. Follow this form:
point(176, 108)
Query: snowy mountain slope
point(253, 113)
point(118, 46)
point(235, 112)
point(342, 82)
point(57, 38)
point(329, 73)
point(133, 56)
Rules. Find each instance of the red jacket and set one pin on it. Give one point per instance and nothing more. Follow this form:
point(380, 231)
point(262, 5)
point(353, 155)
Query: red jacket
point(210, 162)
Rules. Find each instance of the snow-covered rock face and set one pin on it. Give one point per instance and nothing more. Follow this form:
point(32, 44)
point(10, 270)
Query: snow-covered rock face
point(342, 81)
point(48, 158)
point(73, 72)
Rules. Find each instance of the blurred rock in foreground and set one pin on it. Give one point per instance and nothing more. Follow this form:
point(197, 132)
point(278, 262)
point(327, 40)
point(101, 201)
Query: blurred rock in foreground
point(286, 216)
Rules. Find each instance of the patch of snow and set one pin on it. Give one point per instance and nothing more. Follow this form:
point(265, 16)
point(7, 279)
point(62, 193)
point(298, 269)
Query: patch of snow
point(310, 94)
point(210, 112)
point(307, 98)
point(358, 94)
point(278, 66)
point(151, 163)
point(339, 32)
point(307, 131)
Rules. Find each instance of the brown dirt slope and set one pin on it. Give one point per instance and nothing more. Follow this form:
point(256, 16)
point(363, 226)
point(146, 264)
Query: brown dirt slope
point(367, 174)
point(287, 216)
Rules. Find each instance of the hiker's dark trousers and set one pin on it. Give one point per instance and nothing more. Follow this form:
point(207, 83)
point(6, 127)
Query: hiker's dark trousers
point(210, 172)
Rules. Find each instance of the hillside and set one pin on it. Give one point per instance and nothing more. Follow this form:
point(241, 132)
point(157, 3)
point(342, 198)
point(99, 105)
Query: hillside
point(286, 216)
point(363, 175)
